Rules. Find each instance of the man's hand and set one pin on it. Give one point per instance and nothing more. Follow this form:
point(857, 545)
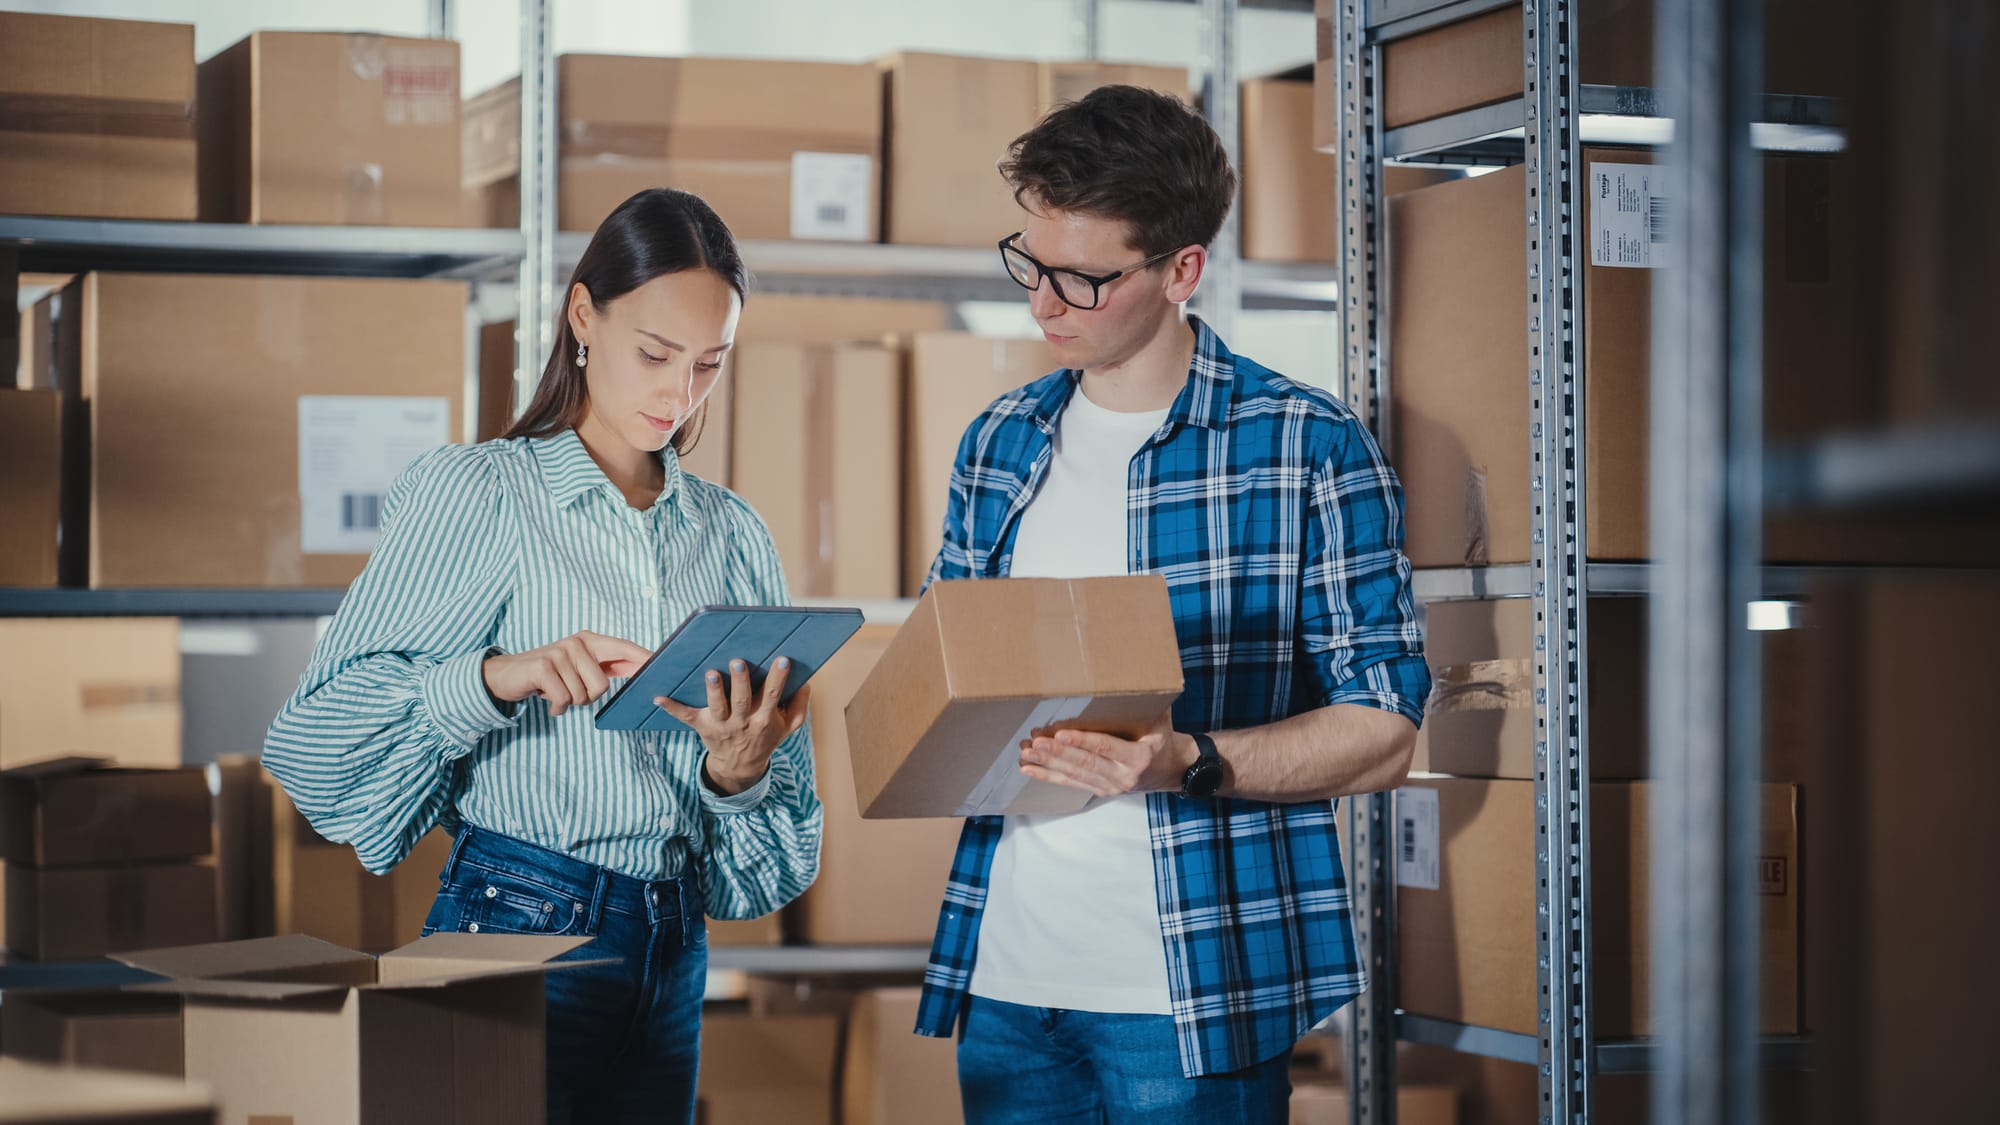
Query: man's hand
point(1107, 765)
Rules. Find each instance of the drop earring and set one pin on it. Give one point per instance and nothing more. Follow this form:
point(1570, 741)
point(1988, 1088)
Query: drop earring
point(583, 355)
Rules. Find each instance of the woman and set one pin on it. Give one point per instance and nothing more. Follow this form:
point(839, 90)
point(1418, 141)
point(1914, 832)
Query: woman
point(514, 580)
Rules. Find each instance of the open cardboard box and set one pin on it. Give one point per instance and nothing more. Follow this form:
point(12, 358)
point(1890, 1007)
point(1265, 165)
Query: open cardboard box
point(982, 664)
point(448, 1028)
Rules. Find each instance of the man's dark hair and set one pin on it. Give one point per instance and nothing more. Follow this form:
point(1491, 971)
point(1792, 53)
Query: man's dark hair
point(1127, 153)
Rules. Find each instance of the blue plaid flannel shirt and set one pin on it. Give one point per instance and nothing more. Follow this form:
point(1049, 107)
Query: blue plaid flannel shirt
point(1278, 526)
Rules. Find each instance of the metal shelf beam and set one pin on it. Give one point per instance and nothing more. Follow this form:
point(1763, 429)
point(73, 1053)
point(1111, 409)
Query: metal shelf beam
point(311, 601)
point(1617, 115)
point(814, 960)
point(59, 245)
point(1929, 466)
point(1625, 1056)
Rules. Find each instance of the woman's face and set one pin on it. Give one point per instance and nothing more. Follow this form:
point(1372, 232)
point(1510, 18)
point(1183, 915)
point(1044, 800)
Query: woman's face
point(655, 353)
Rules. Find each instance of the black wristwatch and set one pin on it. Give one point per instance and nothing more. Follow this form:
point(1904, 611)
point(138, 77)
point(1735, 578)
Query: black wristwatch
point(1204, 777)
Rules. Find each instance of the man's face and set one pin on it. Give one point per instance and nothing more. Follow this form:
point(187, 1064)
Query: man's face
point(1130, 311)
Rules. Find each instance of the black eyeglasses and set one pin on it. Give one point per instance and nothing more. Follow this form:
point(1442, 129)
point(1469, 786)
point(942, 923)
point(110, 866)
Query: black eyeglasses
point(1077, 290)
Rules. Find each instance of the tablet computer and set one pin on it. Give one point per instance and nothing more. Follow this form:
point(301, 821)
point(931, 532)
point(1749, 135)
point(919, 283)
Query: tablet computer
point(713, 636)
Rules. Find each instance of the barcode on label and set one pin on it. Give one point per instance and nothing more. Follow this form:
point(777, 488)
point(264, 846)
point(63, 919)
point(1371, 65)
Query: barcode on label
point(1417, 840)
point(360, 511)
point(832, 213)
point(1409, 840)
point(1656, 220)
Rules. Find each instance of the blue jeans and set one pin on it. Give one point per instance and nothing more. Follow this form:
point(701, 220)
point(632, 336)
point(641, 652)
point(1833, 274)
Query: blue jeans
point(624, 1039)
point(1044, 1066)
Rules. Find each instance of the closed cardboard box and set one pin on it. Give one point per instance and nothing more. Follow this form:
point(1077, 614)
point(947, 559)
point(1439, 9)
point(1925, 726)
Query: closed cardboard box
point(329, 128)
point(880, 881)
point(490, 156)
point(74, 812)
point(71, 913)
point(798, 318)
point(30, 485)
point(97, 117)
point(40, 1094)
point(891, 1077)
point(115, 1030)
point(768, 930)
point(981, 664)
point(1060, 82)
point(320, 889)
point(794, 151)
point(760, 1070)
point(1480, 718)
point(352, 379)
point(953, 377)
point(816, 452)
point(950, 120)
point(110, 687)
point(1325, 1103)
point(36, 367)
point(450, 1028)
point(1459, 366)
point(1291, 193)
point(1466, 901)
point(496, 380)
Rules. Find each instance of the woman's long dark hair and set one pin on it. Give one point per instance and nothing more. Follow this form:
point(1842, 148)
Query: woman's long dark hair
point(656, 232)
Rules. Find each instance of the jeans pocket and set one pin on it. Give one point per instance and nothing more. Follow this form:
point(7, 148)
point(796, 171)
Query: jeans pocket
point(501, 904)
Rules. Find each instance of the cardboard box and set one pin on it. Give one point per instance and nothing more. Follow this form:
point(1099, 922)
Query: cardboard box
point(791, 318)
point(880, 881)
point(320, 889)
point(240, 797)
point(331, 128)
point(114, 1030)
point(936, 727)
point(891, 1077)
point(953, 378)
point(76, 812)
point(38, 1094)
point(36, 367)
point(30, 486)
point(1467, 947)
point(713, 456)
point(731, 933)
point(1458, 362)
point(950, 120)
point(450, 1028)
point(72, 913)
point(1324, 1103)
point(815, 451)
point(370, 373)
point(793, 153)
point(107, 686)
point(100, 117)
point(1060, 82)
point(490, 156)
point(1480, 718)
point(496, 380)
point(1291, 193)
point(755, 1071)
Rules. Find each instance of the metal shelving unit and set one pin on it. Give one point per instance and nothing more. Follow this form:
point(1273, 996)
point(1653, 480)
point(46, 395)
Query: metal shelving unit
point(58, 245)
point(1544, 129)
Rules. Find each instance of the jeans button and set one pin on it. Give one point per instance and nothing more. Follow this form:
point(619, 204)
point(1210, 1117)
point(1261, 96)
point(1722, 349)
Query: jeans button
point(473, 928)
point(492, 892)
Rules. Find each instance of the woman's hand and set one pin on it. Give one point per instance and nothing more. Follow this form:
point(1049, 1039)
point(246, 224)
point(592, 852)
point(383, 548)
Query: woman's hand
point(569, 673)
point(741, 727)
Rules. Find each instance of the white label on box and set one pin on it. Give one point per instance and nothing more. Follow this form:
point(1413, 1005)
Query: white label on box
point(1628, 215)
point(1004, 781)
point(1417, 838)
point(830, 196)
point(351, 448)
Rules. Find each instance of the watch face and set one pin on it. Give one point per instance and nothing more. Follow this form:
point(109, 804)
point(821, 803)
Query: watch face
point(1202, 779)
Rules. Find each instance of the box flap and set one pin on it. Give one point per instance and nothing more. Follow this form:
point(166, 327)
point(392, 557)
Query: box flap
point(267, 991)
point(256, 959)
point(487, 951)
point(55, 767)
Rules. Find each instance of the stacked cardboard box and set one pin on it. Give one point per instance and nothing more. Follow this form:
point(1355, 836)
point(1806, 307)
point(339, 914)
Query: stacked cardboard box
point(890, 1076)
point(1325, 1103)
point(757, 1069)
point(292, 403)
point(30, 485)
point(880, 882)
point(953, 377)
point(115, 1030)
point(819, 458)
point(330, 128)
point(99, 117)
point(100, 860)
point(950, 120)
point(109, 687)
point(794, 152)
point(1466, 900)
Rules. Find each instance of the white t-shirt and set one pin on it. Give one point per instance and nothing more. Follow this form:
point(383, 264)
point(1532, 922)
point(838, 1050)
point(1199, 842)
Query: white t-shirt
point(1072, 919)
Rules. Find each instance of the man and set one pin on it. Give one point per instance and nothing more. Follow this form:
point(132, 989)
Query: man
point(1156, 956)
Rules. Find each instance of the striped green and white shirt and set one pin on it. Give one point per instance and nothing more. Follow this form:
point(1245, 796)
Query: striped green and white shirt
point(515, 544)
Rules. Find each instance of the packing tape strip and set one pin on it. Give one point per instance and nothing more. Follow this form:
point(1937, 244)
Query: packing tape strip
point(102, 117)
point(1057, 642)
point(105, 696)
point(1003, 780)
point(1478, 547)
point(1481, 685)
